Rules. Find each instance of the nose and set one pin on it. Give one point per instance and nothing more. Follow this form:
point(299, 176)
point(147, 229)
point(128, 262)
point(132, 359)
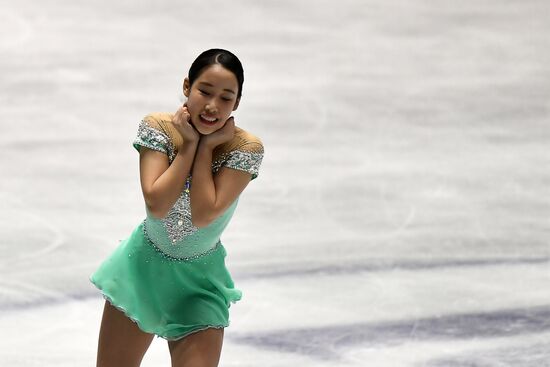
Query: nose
point(211, 108)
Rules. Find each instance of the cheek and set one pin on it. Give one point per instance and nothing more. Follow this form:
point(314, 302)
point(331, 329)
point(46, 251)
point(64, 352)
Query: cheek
point(192, 105)
point(228, 108)
point(224, 116)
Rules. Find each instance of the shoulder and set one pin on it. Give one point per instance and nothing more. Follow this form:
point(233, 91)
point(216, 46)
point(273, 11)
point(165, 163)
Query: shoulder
point(158, 120)
point(244, 152)
point(246, 137)
point(243, 141)
point(162, 122)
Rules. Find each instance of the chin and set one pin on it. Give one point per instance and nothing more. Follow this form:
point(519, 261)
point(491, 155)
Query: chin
point(202, 132)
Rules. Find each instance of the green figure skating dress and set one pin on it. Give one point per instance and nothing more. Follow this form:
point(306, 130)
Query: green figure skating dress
point(169, 276)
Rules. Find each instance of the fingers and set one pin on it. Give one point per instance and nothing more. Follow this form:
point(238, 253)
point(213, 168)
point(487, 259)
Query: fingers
point(230, 122)
point(182, 114)
point(186, 114)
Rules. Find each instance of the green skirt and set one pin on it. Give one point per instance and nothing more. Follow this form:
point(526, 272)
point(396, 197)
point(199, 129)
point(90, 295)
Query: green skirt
point(164, 296)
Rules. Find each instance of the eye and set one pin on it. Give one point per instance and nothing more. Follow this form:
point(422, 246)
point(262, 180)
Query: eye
point(204, 92)
point(227, 99)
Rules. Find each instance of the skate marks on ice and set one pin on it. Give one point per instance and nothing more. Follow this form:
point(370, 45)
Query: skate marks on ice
point(330, 343)
point(299, 270)
point(536, 355)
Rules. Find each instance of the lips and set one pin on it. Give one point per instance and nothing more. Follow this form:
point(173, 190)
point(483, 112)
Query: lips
point(209, 120)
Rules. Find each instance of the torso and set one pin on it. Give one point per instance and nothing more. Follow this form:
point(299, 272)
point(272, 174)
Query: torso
point(175, 235)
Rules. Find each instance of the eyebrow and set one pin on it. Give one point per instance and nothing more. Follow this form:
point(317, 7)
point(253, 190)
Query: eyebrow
point(210, 85)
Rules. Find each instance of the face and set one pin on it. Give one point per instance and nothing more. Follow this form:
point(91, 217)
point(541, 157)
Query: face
point(211, 98)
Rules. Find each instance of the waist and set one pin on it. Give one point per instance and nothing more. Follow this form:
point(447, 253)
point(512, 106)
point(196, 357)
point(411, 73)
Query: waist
point(176, 237)
point(184, 247)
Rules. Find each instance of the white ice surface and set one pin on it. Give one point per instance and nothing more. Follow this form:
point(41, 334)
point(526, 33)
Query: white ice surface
point(402, 213)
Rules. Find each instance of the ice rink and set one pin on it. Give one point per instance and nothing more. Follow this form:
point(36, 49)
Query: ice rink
point(402, 213)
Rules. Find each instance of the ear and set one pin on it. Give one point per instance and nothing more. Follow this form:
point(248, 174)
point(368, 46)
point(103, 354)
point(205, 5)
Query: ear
point(186, 87)
point(236, 104)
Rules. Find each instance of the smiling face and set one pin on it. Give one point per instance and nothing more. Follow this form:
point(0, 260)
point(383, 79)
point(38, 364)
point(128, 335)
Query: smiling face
point(211, 98)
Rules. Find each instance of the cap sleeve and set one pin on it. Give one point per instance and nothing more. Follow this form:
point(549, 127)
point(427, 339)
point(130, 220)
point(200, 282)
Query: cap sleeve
point(149, 135)
point(247, 157)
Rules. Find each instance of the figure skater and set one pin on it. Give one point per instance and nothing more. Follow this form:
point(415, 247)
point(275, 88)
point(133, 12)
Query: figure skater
point(169, 278)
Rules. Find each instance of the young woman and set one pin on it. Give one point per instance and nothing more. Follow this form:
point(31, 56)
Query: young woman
point(168, 278)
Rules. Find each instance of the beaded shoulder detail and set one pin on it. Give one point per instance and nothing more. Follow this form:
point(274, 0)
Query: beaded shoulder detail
point(156, 132)
point(244, 152)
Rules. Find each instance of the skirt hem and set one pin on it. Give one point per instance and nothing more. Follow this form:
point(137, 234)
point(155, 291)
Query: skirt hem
point(134, 319)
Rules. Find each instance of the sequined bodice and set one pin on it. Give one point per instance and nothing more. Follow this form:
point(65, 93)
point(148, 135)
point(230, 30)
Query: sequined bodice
point(175, 235)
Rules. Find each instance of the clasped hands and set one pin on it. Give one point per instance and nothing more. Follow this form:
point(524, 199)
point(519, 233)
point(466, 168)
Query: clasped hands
point(182, 123)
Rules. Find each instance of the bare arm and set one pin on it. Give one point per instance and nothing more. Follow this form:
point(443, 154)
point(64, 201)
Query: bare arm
point(212, 195)
point(162, 183)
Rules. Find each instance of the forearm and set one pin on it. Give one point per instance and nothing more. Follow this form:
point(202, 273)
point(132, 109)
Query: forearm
point(168, 187)
point(203, 189)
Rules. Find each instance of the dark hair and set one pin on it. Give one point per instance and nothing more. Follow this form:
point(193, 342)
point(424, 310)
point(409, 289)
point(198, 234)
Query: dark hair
point(221, 57)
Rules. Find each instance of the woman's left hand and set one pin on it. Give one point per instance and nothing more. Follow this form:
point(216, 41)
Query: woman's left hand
point(220, 136)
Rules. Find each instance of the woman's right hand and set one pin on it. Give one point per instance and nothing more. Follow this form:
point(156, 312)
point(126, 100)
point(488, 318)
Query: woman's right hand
point(181, 122)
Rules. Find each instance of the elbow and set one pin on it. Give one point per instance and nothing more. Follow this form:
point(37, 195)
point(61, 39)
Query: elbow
point(154, 207)
point(201, 223)
point(156, 211)
point(201, 219)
